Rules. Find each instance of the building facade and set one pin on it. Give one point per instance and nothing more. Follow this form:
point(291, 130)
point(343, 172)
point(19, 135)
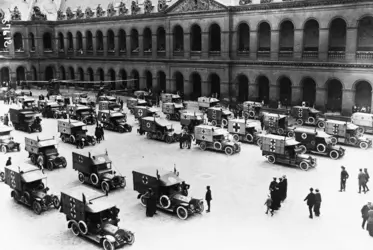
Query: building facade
point(316, 51)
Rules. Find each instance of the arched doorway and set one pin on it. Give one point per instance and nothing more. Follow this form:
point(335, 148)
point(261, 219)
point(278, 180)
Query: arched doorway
point(162, 81)
point(112, 79)
point(285, 91)
point(243, 88)
point(21, 76)
point(80, 77)
point(149, 80)
point(243, 37)
point(136, 79)
point(49, 73)
point(263, 89)
point(363, 94)
point(123, 77)
point(101, 74)
point(196, 38)
point(335, 91)
point(214, 82)
point(4, 76)
point(309, 91)
point(62, 73)
point(179, 82)
point(178, 39)
point(196, 81)
point(71, 76)
point(215, 39)
point(47, 41)
point(34, 74)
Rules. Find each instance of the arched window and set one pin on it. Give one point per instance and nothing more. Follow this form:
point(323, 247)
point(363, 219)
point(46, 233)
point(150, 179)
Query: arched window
point(112, 79)
point(4, 76)
point(214, 82)
point(99, 41)
point(309, 91)
point(363, 94)
point(32, 42)
point(334, 89)
point(178, 39)
point(101, 74)
point(136, 79)
point(79, 42)
point(49, 73)
point(263, 89)
point(34, 74)
point(147, 36)
point(122, 41)
point(47, 42)
point(89, 43)
point(243, 88)
point(196, 38)
point(286, 39)
point(196, 81)
point(179, 82)
point(149, 80)
point(2, 43)
point(337, 38)
point(18, 42)
point(135, 42)
point(61, 43)
point(111, 41)
point(90, 74)
point(285, 91)
point(123, 77)
point(161, 41)
point(71, 73)
point(70, 42)
point(62, 73)
point(215, 36)
point(20, 75)
point(243, 38)
point(365, 38)
point(162, 81)
point(311, 39)
point(264, 40)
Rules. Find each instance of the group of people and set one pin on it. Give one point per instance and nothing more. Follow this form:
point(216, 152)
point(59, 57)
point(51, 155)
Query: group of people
point(99, 132)
point(363, 179)
point(185, 137)
point(313, 202)
point(367, 214)
point(278, 193)
point(362, 109)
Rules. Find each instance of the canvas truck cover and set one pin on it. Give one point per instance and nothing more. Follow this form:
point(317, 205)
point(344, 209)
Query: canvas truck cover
point(215, 113)
point(34, 144)
point(248, 105)
point(237, 126)
point(206, 132)
point(362, 119)
point(103, 105)
point(141, 111)
point(105, 115)
point(15, 176)
point(300, 112)
point(204, 102)
point(337, 128)
point(72, 205)
point(168, 108)
point(272, 120)
point(145, 178)
point(15, 113)
point(65, 125)
point(191, 116)
point(274, 144)
point(84, 163)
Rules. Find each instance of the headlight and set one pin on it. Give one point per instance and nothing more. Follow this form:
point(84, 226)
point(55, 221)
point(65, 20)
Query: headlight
point(83, 139)
point(192, 206)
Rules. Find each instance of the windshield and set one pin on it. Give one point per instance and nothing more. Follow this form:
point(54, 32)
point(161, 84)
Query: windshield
point(28, 118)
point(105, 166)
point(50, 150)
point(328, 140)
point(109, 214)
point(228, 137)
point(177, 100)
point(119, 119)
point(4, 138)
point(37, 185)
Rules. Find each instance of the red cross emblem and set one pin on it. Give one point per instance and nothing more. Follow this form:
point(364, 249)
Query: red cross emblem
point(144, 179)
point(335, 128)
point(236, 127)
point(272, 147)
point(80, 159)
point(140, 112)
point(300, 112)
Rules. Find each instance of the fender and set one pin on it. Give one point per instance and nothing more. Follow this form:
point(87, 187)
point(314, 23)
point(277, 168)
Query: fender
point(110, 238)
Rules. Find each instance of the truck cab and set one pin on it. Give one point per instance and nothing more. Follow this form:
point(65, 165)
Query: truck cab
point(207, 102)
point(113, 120)
point(52, 110)
point(82, 113)
point(25, 119)
point(7, 142)
point(189, 121)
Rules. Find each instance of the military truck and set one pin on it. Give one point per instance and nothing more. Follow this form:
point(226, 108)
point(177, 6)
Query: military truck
point(82, 113)
point(7, 142)
point(156, 128)
point(251, 110)
point(218, 139)
point(52, 110)
point(115, 121)
point(29, 103)
point(277, 124)
point(28, 185)
point(77, 96)
point(91, 216)
point(172, 110)
point(219, 116)
point(284, 150)
point(97, 170)
point(141, 112)
point(364, 121)
point(72, 130)
point(189, 121)
point(346, 133)
point(308, 116)
point(317, 142)
point(106, 105)
point(167, 187)
point(44, 153)
point(108, 98)
point(171, 98)
point(133, 102)
point(207, 102)
point(243, 131)
point(25, 120)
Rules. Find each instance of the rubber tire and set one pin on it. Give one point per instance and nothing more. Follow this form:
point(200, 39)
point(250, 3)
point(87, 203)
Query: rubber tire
point(64, 162)
point(361, 130)
point(304, 166)
point(334, 139)
point(50, 165)
point(182, 213)
point(121, 129)
point(353, 140)
point(291, 134)
point(83, 227)
point(81, 177)
point(95, 177)
point(72, 139)
point(214, 123)
point(236, 137)
point(224, 122)
point(304, 149)
point(36, 207)
point(299, 122)
point(251, 114)
point(335, 153)
point(363, 145)
point(311, 120)
point(75, 229)
point(217, 145)
point(249, 138)
point(130, 238)
point(229, 150)
point(56, 202)
point(164, 197)
point(168, 117)
point(259, 142)
point(143, 200)
point(168, 139)
point(321, 124)
point(3, 149)
point(203, 146)
point(271, 159)
point(107, 245)
point(64, 139)
point(323, 147)
point(280, 131)
point(105, 187)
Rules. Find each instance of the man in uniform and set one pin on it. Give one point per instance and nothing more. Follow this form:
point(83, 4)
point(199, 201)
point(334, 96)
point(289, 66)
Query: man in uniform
point(208, 198)
point(9, 162)
point(310, 201)
point(364, 213)
point(344, 177)
point(316, 208)
point(362, 180)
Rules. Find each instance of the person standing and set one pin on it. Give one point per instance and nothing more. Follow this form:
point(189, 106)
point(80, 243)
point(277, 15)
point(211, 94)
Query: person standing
point(281, 189)
point(285, 181)
point(344, 177)
point(362, 179)
point(310, 201)
point(208, 199)
point(97, 134)
point(102, 133)
point(6, 120)
point(121, 104)
point(182, 139)
point(268, 203)
point(366, 179)
point(364, 213)
point(316, 209)
point(9, 162)
point(261, 119)
point(273, 184)
point(276, 198)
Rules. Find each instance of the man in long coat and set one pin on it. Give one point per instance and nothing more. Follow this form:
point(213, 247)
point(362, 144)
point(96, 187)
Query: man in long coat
point(310, 201)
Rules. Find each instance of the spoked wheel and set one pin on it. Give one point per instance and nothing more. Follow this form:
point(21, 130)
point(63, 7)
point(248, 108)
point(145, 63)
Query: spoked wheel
point(2, 176)
point(75, 229)
point(143, 200)
point(107, 245)
point(334, 154)
point(105, 187)
point(81, 177)
point(228, 150)
point(36, 207)
point(56, 202)
point(304, 166)
point(271, 159)
point(3, 149)
point(50, 165)
point(303, 149)
point(130, 238)
point(182, 213)
point(363, 145)
point(202, 146)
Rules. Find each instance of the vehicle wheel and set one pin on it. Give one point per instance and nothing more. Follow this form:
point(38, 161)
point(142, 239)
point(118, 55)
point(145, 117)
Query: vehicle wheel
point(168, 117)
point(214, 123)
point(228, 150)
point(236, 137)
point(143, 200)
point(107, 245)
point(259, 142)
point(334, 154)
point(75, 229)
point(177, 117)
point(280, 131)
point(311, 120)
point(55, 115)
point(321, 124)
point(303, 149)
point(361, 130)
point(249, 138)
point(29, 129)
point(320, 148)
point(246, 115)
point(363, 145)
point(83, 227)
point(129, 129)
point(237, 148)
point(291, 134)
point(271, 159)
point(130, 238)
point(40, 129)
point(334, 140)
point(121, 129)
point(200, 208)
point(149, 135)
point(2, 176)
point(165, 201)
point(93, 141)
point(168, 139)
point(72, 139)
point(36, 207)
point(224, 122)
point(15, 196)
point(56, 202)
point(304, 166)
point(64, 162)
point(64, 138)
point(81, 177)
point(85, 121)
point(202, 146)
point(50, 165)
point(94, 179)
point(217, 145)
point(3, 149)
point(105, 187)
point(251, 114)
point(353, 140)
point(299, 122)
point(182, 213)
